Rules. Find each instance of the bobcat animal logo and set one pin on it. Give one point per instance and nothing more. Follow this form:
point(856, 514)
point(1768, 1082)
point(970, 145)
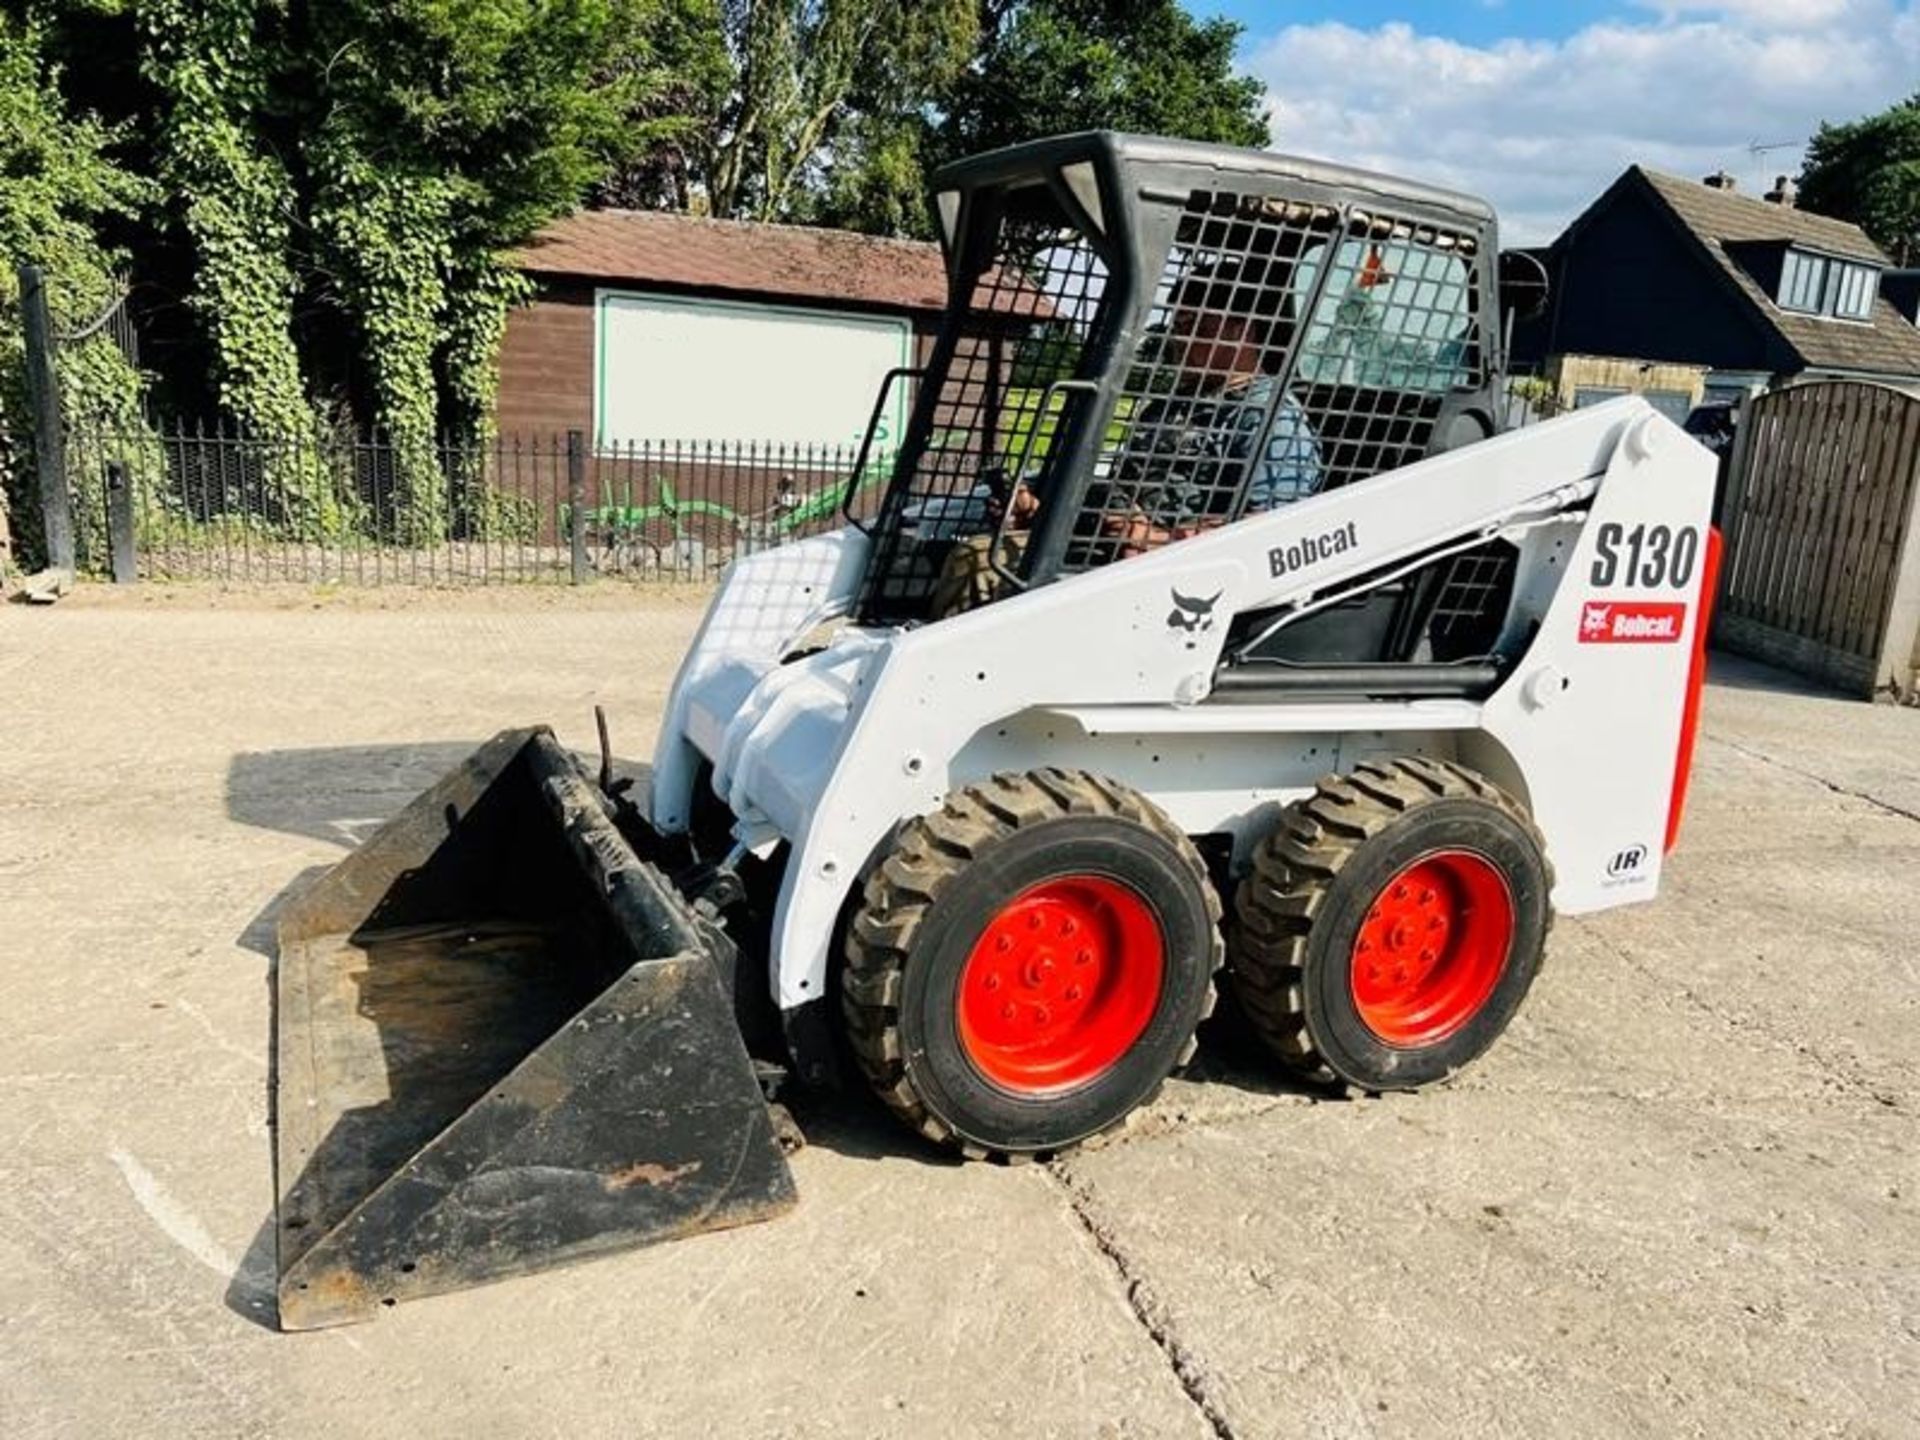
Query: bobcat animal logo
point(1191, 615)
point(1595, 619)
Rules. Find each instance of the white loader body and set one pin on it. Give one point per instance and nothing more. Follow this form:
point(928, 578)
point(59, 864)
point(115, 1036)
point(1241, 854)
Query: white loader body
point(1105, 671)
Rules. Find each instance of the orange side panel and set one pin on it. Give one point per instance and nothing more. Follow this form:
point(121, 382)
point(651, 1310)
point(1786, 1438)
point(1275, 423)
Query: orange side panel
point(1696, 682)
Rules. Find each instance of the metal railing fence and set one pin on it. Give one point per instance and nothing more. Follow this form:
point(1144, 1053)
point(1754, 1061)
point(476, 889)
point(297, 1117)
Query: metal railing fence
point(217, 503)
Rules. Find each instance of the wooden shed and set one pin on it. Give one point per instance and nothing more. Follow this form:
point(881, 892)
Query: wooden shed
point(649, 328)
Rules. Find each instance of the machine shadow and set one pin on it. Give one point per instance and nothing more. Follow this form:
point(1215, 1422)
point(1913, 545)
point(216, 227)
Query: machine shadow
point(1232, 1055)
point(342, 793)
point(1729, 671)
point(851, 1121)
point(251, 1292)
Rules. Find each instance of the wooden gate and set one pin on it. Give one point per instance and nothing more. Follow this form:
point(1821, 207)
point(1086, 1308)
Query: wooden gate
point(1823, 546)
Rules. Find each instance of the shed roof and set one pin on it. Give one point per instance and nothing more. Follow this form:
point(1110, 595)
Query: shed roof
point(1888, 344)
point(654, 247)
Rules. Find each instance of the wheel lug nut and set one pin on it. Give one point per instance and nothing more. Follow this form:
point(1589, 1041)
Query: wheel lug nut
point(1073, 992)
point(1083, 957)
point(1068, 927)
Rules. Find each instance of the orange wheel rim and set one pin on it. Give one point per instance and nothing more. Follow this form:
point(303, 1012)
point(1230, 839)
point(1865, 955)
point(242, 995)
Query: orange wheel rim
point(1432, 948)
point(1062, 982)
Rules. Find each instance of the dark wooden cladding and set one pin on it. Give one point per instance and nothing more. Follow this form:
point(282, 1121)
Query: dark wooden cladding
point(546, 363)
point(1823, 558)
point(547, 357)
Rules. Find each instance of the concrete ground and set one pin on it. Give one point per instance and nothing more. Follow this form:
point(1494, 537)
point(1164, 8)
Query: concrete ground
point(1681, 1197)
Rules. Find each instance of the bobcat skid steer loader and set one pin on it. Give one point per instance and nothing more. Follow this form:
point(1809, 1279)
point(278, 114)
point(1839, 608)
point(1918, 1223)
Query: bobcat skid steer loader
point(1207, 626)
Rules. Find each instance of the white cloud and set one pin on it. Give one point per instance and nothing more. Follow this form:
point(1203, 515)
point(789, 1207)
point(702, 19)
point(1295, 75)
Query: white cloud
point(1541, 127)
point(1781, 14)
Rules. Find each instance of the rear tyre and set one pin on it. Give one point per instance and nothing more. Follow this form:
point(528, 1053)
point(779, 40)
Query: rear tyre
point(1391, 924)
point(1029, 962)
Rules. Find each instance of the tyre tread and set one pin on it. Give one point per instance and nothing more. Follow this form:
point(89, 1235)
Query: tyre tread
point(927, 854)
point(1275, 904)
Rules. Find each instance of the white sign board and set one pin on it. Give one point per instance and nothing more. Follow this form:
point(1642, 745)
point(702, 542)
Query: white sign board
point(668, 368)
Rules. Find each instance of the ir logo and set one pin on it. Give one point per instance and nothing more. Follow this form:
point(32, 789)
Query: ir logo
point(1627, 862)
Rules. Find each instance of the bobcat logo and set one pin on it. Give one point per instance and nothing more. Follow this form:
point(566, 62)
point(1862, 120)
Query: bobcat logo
point(1595, 620)
point(1191, 615)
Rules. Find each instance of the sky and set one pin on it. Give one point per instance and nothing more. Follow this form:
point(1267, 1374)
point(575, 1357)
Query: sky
point(1538, 104)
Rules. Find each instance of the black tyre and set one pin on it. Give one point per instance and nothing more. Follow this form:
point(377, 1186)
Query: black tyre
point(1029, 962)
point(1391, 924)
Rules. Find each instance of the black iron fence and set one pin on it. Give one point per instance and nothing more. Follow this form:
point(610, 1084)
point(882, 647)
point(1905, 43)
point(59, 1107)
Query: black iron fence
point(197, 502)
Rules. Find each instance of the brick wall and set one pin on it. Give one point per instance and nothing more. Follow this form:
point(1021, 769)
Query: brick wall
point(1573, 373)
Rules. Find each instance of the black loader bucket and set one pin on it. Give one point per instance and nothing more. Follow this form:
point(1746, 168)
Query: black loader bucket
point(502, 1045)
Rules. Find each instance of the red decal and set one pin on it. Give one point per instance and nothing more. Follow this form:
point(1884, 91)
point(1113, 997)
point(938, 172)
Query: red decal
point(1632, 622)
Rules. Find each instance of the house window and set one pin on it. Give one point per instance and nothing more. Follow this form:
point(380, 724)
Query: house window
point(1853, 291)
point(1818, 285)
point(1586, 395)
point(1802, 280)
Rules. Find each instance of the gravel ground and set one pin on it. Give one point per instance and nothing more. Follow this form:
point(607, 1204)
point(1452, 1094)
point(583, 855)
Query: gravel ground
point(1680, 1198)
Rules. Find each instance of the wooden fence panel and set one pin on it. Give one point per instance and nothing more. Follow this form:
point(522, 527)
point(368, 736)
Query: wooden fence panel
point(1867, 451)
point(1823, 560)
point(1846, 456)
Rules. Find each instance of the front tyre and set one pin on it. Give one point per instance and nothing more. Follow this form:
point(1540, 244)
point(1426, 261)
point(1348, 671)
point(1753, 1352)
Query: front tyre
point(1392, 924)
point(1029, 962)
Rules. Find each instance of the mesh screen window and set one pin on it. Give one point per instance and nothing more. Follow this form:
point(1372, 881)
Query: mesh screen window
point(1033, 309)
point(1292, 348)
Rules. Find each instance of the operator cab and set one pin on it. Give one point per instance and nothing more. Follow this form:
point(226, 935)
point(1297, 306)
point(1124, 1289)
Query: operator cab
point(1152, 337)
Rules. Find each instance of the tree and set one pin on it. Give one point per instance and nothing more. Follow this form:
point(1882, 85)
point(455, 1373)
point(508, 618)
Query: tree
point(344, 178)
point(1041, 67)
point(681, 84)
point(812, 74)
point(1868, 171)
point(212, 64)
point(60, 185)
point(442, 133)
point(1055, 66)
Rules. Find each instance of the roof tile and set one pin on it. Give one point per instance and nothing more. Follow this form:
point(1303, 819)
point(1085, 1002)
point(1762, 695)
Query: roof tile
point(781, 260)
point(1889, 344)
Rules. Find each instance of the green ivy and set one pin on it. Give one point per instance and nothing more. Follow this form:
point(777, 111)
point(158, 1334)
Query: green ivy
point(388, 235)
point(480, 293)
point(59, 181)
point(442, 134)
point(209, 58)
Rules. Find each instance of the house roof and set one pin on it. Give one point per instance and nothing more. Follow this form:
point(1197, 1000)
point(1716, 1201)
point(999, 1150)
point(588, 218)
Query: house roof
point(652, 247)
point(1717, 219)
